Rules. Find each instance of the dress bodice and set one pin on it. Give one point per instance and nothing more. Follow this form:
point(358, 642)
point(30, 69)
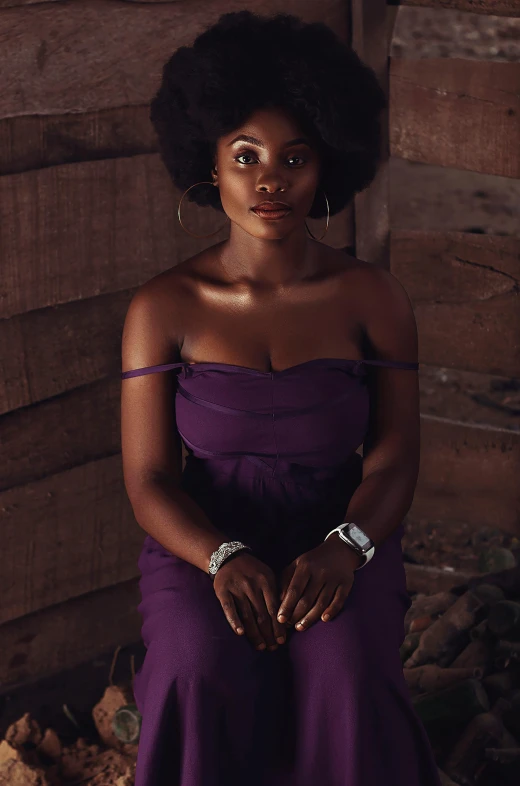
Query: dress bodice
point(314, 414)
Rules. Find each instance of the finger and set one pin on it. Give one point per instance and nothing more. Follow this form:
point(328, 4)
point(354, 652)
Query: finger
point(271, 603)
point(294, 592)
point(285, 579)
point(307, 601)
point(232, 615)
point(248, 617)
point(323, 601)
point(338, 601)
point(263, 620)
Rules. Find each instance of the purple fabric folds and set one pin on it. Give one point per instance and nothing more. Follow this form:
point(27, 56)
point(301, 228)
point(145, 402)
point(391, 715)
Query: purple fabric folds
point(272, 461)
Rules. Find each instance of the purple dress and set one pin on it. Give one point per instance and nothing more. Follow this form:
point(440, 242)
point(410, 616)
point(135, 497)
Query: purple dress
point(272, 462)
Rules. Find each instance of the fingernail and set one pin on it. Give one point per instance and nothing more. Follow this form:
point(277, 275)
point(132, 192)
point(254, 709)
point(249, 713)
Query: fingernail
point(280, 639)
point(281, 618)
point(261, 647)
point(326, 617)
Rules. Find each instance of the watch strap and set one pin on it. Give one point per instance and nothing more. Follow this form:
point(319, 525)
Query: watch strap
point(367, 554)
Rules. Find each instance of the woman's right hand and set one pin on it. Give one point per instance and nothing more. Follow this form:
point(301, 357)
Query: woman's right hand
point(247, 590)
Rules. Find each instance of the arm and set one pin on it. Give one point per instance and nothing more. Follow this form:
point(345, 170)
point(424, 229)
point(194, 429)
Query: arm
point(151, 445)
point(391, 449)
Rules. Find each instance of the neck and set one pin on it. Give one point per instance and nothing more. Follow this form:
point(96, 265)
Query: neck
point(266, 262)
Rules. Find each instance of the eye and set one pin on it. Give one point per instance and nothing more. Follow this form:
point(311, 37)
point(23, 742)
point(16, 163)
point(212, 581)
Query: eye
point(248, 155)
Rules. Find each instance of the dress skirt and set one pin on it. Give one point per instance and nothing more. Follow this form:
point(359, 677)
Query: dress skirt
point(330, 707)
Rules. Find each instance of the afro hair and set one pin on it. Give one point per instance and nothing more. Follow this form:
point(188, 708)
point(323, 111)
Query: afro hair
point(211, 88)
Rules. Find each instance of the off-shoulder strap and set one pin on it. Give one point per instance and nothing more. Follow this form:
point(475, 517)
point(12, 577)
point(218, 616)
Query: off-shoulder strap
point(394, 363)
point(137, 372)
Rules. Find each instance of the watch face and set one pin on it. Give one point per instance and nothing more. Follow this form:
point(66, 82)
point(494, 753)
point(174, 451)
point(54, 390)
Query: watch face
point(358, 536)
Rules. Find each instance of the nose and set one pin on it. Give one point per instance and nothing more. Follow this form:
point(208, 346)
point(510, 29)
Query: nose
point(271, 183)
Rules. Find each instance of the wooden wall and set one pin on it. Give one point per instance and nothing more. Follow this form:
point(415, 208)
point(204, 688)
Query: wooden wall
point(88, 213)
point(464, 286)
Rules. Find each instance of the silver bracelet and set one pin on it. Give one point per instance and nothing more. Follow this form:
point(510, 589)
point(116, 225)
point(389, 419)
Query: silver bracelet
point(223, 552)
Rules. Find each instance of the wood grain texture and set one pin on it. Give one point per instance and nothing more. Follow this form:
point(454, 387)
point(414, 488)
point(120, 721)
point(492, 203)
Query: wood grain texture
point(64, 535)
point(489, 7)
point(371, 25)
point(456, 113)
point(69, 633)
point(68, 62)
point(466, 296)
point(468, 472)
point(50, 351)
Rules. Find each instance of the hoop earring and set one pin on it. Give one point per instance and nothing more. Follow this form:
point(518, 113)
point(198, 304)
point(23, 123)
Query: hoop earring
point(327, 224)
point(179, 211)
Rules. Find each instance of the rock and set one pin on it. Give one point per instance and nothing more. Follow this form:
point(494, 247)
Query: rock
point(9, 753)
point(494, 559)
point(18, 773)
point(78, 759)
point(15, 771)
point(114, 697)
point(50, 745)
point(24, 730)
point(101, 768)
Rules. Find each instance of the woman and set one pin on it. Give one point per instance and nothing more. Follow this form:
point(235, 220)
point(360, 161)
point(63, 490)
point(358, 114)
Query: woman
point(282, 356)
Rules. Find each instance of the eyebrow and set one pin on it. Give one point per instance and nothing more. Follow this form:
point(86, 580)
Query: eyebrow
point(254, 141)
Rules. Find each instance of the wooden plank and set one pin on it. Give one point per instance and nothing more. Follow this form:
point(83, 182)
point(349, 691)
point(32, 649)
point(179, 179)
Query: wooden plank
point(468, 472)
point(445, 199)
point(489, 7)
point(464, 285)
point(470, 397)
point(81, 51)
point(371, 24)
point(57, 435)
point(462, 105)
point(65, 535)
point(30, 142)
point(48, 352)
point(61, 243)
point(61, 433)
point(69, 633)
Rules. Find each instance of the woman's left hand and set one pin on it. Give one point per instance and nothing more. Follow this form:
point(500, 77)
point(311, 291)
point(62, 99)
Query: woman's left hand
point(317, 583)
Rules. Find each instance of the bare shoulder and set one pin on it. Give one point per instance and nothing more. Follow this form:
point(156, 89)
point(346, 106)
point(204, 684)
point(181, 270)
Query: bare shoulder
point(156, 317)
point(168, 293)
point(384, 307)
point(377, 289)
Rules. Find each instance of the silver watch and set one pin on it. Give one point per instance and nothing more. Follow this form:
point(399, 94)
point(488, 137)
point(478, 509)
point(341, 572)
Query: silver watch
point(358, 540)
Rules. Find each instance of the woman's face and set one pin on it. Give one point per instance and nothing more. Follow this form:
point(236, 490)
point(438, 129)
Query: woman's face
point(272, 165)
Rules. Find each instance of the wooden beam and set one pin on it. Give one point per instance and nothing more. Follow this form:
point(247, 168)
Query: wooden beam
point(465, 289)
point(65, 535)
point(69, 633)
point(488, 7)
point(371, 25)
point(446, 111)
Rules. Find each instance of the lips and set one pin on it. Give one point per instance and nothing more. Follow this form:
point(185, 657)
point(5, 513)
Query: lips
point(271, 215)
point(276, 207)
